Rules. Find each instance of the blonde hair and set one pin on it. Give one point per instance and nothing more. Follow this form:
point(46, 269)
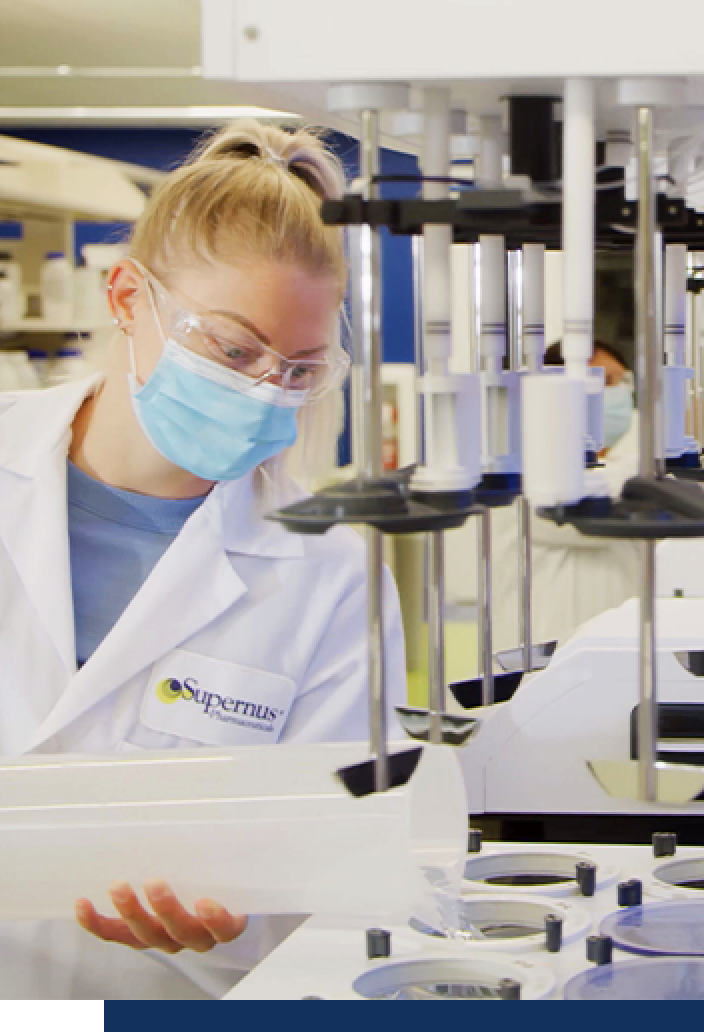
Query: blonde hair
point(250, 191)
point(253, 192)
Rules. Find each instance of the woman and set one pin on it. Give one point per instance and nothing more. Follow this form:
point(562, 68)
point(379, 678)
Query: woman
point(135, 550)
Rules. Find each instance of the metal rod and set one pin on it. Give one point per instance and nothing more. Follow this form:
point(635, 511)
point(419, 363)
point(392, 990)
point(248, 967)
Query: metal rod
point(659, 263)
point(436, 633)
point(690, 333)
point(515, 295)
point(417, 266)
point(648, 367)
point(695, 333)
point(513, 270)
point(526, 583)
point(485, 637)
point(697, 328)
point(370, 329)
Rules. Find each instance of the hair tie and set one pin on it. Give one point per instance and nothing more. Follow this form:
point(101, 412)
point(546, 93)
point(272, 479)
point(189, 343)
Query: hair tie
point(271, 157)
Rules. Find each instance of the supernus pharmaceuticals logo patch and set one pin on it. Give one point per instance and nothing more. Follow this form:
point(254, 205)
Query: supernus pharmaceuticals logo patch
point(224, 708)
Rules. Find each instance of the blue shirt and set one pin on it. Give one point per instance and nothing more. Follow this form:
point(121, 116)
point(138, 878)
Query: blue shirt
point(116, 539)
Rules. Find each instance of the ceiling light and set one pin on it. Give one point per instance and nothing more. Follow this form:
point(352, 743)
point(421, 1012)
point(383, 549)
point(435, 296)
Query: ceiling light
point(186, 114)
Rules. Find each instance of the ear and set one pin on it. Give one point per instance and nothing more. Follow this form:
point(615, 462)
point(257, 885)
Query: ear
point(124, 286)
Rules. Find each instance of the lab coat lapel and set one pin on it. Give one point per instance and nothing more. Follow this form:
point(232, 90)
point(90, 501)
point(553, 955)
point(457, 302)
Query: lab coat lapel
point(34, 530)
point(191, 585)
point(35, 431)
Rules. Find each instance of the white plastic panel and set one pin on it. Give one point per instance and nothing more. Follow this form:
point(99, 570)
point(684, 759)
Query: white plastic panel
point(261, 830)
point(449, 39)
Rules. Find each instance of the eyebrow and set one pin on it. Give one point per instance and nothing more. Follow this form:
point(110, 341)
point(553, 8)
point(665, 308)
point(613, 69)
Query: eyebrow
point(243, 322)
point(262, 336)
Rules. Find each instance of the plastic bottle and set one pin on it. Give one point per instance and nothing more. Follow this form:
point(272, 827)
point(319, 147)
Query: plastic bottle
point(68, 363)
point(56, 287)
point(39, 360)
point(14, 271)
point(9, 301)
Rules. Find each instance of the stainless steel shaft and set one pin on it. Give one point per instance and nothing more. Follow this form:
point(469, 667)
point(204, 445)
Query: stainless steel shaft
point(524, 527)
point(526, 594)
point(648, 359)
point(485, 637)
point(417, 268)
point(436, 634)
point(369, 327)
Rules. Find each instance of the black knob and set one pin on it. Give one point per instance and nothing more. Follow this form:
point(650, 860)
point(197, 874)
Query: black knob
point(474, 840)
point(553, 933)
point(586, 877)
point(664, 843)
point(630, 893)
point(378, 943)
point(509, 989)
point(599, 949)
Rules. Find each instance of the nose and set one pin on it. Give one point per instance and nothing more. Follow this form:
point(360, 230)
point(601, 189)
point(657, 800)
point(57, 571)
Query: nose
point(273, 375)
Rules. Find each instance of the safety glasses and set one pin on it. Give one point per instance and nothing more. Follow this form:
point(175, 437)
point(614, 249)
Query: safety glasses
point(224, 339)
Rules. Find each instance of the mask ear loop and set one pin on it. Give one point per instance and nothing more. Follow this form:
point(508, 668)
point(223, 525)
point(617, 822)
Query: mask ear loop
point(157, 320)
point(130, 352)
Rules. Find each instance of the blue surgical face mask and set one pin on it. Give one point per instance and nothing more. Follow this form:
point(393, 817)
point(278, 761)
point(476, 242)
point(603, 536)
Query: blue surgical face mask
point(210, 420)
point(618, 412)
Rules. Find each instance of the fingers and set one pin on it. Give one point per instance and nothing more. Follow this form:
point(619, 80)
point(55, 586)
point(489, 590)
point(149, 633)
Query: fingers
point(146, 928)
point(170, 929)
point(111, 929)
point(220, 923)
point(179, 925)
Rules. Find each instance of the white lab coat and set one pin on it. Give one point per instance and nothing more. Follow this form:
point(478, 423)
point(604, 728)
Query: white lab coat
point(276, 612)
point(575, 577)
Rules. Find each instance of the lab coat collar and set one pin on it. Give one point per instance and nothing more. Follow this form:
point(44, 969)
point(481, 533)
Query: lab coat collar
point(244, 504)
point(37, 422)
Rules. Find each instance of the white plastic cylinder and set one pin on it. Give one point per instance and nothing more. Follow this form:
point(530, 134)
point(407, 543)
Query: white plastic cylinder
point(56, 287)
point(437, 297)
point(260, 830)
point(374, 96)
point(437, 240)
point(492, 301)
point(501, 432)
point(452, 413)
point(578, 226)
point(675, 315)
point(436, 140)
point(490, 149)
point(554, 429)
point(533, 306)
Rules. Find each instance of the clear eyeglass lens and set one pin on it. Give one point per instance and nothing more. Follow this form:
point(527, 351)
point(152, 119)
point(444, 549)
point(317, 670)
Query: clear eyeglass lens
point(225, 342)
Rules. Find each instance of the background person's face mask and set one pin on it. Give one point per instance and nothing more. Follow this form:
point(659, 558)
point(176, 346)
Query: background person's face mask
point(618, 412)
point(210, 420)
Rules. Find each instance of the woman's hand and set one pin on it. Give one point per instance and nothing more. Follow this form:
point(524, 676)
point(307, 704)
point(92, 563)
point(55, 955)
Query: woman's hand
point(172, 929)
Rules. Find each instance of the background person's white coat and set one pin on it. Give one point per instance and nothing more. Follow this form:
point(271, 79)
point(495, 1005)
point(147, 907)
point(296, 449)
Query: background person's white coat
point(233, 587)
